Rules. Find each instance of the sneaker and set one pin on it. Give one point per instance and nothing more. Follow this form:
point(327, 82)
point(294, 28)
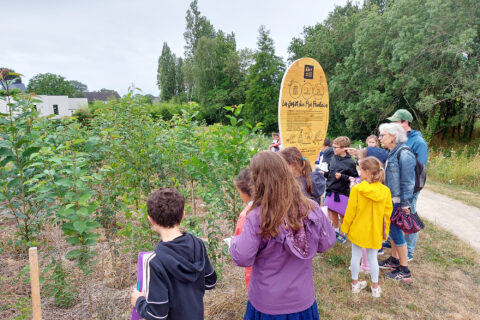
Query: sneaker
point(356, 288)
point(380, 252)
point(341, 239)
point(399, 274)
point(410, 258)
point(386, 244)
point(376, 292)
point(389, 263)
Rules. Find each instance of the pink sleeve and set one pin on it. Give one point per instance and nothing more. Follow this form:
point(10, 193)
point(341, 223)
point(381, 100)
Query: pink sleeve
point(241, 221)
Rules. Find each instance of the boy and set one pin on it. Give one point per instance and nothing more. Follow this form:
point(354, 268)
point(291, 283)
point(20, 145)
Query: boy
point(179, 271)
point(341, 168)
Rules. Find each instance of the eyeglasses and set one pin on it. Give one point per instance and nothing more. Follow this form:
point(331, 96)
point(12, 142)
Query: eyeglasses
point(383, 135)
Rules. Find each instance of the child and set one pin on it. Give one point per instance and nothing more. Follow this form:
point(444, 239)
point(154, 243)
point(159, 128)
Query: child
point(278, 244)
point(243, 185)
point(366, 220)
point(179, 272)
point(372, 141)
point(311, 183)
point(341, 168)
point(320, 159)
point(276, 143)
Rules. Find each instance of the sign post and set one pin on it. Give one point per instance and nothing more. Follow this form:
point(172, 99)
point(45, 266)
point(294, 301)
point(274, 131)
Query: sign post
point(303, 108)
point(35, 283)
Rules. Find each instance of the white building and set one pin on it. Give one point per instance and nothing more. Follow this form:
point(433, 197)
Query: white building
point(60, 106)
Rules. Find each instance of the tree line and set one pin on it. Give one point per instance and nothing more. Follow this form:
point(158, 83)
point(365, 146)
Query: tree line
point(378, 57)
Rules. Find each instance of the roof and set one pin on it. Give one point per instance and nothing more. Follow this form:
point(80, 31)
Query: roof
point(101, 95)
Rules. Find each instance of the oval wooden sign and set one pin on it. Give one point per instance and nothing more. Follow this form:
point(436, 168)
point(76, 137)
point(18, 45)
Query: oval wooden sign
point(303, 108)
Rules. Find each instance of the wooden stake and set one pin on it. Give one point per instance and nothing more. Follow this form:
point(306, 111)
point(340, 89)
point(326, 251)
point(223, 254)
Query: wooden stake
point(35, 283)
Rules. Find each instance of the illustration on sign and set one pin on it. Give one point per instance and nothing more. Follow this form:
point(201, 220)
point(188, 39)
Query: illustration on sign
point(303, 108)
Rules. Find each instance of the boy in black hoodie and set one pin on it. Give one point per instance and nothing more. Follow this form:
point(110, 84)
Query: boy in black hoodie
point(341, 168)
point(179, 271)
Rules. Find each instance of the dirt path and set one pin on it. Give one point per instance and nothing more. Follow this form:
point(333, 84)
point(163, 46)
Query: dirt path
point(460, 219)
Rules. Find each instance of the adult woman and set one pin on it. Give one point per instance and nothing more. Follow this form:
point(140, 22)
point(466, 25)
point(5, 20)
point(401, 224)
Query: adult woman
point(400, 179)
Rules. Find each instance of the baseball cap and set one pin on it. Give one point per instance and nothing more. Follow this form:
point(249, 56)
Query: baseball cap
point(401, 114)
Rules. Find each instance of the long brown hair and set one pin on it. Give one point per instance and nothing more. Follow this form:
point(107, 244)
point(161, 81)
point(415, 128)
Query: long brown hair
point(277, 192)
point(294, 157)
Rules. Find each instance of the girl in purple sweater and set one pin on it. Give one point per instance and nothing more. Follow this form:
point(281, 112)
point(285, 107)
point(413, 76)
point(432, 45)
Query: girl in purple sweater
point(282, 233)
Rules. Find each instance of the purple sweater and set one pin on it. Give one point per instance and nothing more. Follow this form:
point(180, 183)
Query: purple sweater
point(282, 278)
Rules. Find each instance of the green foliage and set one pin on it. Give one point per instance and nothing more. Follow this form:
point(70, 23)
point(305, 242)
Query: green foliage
point(57, 284)
point(421, 56)
point(264, 80)
point(79, 88)
point(166, 73)
point(51, 84)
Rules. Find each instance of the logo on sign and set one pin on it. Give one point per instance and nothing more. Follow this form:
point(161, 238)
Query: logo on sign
point(308, 72)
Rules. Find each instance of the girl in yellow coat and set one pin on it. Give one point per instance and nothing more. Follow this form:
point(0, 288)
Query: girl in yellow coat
point(367, 221)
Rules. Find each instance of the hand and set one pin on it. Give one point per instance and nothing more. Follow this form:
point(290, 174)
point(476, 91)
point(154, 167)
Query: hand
point(352, 151)
point(338, 175)
point(135, 295)
point(406, 210)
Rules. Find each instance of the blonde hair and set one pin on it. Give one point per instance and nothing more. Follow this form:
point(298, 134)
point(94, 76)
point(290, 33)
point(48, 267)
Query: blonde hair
point(278, 194)
point(370, 137)
point(374, 166)
point(294, 157)
point(342, 141)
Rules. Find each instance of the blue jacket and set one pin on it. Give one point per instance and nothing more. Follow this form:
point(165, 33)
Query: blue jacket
point(418, 145)
point(400, 177)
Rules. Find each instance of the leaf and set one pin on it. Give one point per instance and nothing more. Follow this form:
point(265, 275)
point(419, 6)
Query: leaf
point(73, 254)
point(73, 241)
point(67, 183)
point(84, 197)
point(29, 151)
point(80, 226)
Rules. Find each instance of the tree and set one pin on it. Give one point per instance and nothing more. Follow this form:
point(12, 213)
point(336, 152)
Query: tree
point(197, 26)
point(179, 79)
point(79, 87)
point(264, 80)
point(50, 84)
point(166, 73)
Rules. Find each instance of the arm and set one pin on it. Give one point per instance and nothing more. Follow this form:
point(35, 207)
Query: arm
point(210, 274)
point(421, 150)
point(155, 304)
point(351, 211)
point(407, 177)
point(244, 247)
point(387, 213)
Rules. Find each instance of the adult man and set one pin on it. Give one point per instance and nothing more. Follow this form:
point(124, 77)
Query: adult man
point(420, 148)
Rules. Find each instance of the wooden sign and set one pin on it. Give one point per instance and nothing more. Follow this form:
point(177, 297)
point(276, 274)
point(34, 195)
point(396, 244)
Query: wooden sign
point(303, 108)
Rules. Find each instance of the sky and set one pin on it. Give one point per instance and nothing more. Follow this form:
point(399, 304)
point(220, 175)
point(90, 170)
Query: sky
point(115, 43)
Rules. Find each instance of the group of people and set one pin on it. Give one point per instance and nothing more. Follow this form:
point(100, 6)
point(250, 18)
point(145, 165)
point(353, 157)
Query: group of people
point(283, 226)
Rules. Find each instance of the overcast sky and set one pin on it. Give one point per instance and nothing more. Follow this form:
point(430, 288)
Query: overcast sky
point(113, 43)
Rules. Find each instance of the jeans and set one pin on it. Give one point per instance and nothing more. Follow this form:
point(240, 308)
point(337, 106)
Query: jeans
point(411, 239)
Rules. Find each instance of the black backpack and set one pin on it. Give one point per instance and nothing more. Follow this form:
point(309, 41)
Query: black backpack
point(420, 171)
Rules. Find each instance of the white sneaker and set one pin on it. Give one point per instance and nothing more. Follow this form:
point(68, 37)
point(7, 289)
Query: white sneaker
point(356, 288)
point(376, 292)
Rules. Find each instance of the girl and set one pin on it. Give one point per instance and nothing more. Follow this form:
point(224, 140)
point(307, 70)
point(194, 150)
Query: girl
point(311, 183)
point(372, 141)
point(366, 220)
point(276, 142)
point(341, 168)
point(243, 185)
point(283, 231)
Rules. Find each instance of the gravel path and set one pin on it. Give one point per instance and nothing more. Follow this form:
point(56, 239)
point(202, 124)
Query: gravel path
point(460, 219)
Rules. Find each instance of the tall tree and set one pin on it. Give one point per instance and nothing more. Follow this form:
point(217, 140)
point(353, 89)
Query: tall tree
point(197, 26)
point(50, 84)
point(179, 79)
point(166, 73)
point(264, 80)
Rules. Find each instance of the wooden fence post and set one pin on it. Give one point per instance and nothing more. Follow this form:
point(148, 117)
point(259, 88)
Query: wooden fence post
point(35, 283)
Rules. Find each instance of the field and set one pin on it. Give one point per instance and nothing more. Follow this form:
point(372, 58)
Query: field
point(76, 189)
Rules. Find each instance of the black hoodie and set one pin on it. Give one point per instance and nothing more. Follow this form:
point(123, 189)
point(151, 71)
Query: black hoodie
point(176, 279)
point(346, 166)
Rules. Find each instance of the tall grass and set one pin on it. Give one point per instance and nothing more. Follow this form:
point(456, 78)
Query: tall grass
point(457, 165)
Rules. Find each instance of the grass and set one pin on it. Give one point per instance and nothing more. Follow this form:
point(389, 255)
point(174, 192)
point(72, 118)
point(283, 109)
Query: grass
point(446, 279)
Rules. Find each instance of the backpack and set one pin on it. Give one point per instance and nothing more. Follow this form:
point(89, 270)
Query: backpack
point(420, 171)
